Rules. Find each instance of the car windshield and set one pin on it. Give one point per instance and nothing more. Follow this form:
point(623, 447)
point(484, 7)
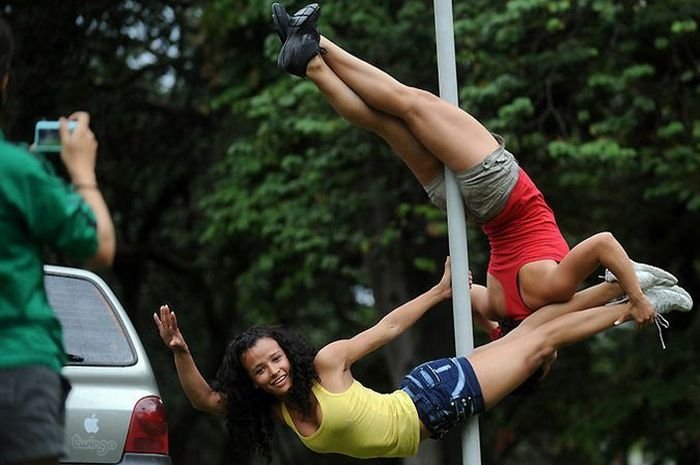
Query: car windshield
point(92, 331)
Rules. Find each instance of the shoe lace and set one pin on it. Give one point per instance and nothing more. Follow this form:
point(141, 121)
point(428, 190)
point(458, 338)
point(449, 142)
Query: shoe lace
point(661, 322)
point(618, 300)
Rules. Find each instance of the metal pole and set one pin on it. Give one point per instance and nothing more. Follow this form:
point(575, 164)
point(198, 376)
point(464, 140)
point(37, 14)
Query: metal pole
point(456, 222)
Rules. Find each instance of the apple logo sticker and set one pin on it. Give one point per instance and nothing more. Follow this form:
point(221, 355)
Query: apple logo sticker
point(90, 424)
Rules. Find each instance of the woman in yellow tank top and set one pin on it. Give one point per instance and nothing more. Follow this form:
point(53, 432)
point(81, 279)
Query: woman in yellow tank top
point(269, 374)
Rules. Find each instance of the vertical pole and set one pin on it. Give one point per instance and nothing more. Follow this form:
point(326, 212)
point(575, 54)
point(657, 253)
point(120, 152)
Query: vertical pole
point(456, 221)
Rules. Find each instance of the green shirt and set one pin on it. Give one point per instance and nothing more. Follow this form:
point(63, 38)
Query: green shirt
point(37, 210)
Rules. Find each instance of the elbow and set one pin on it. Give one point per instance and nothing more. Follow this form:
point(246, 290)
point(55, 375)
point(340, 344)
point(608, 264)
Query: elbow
point(208, 403)
point(103, 261)
point(197, 403)
point(200, 406)
point(106, 244)
point(392, 330)
point(104, 257)
point(100, 262)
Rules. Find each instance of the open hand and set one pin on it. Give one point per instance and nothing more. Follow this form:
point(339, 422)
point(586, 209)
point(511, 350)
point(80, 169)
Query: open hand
point(444, 287)
point(166, 321)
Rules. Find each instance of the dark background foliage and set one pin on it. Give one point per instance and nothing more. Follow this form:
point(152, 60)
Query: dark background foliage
point(239, 197)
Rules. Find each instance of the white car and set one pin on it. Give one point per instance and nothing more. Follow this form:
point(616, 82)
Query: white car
point(114, 413)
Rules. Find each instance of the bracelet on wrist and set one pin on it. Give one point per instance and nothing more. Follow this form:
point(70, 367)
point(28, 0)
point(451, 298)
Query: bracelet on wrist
point(85, 185)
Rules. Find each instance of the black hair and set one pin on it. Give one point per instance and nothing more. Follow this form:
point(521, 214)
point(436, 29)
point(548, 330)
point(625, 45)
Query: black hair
point(7, 47)
point(249, 411)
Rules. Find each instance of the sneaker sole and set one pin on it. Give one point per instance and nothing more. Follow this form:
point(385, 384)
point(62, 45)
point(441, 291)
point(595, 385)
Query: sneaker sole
point(308, 14)
point(660, 276)
point(657, 272)
point(279, 12)
point(681, 302)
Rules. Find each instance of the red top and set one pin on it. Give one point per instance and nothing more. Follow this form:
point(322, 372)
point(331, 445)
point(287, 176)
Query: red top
point(524, 232)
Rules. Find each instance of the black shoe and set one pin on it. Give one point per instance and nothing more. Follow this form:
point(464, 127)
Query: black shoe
point(297, 52)
point(281, 19)
point(302, 42)
point(306, 16)
point(309, 15)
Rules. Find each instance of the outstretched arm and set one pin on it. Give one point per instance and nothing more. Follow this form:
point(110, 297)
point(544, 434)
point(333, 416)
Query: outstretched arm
point(201, 395)
point(340, 355)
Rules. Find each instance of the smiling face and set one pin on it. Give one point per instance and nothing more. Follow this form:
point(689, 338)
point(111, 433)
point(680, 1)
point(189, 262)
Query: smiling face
point(268, 367)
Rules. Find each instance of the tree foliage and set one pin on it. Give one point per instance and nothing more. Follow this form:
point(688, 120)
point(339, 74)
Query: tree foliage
point(240, 197)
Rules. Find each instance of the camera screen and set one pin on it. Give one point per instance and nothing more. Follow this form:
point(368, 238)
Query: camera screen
point(48, 140)
point(47, 137)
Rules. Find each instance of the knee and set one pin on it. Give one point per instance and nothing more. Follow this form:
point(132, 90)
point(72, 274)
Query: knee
point(543, 350)
point(413, 101)
point(605, 241)
point(544, 357)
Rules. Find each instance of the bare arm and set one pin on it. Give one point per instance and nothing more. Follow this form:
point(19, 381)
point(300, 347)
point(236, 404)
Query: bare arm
point(79, 152)
point(201, 395)
point(340, 355)
point(603, 249)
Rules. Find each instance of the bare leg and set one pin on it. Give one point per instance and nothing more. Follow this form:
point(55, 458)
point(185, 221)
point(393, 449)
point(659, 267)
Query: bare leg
point(500, 368)
point(423, 122)
point(352, 108)
point(545, 282)
point(594, 296)
point(449, 133)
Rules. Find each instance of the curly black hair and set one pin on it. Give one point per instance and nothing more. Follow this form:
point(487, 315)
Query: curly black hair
point(249, 411)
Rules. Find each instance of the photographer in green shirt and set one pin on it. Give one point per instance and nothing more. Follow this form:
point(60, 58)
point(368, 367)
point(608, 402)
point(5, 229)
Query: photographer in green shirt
point(40, 211)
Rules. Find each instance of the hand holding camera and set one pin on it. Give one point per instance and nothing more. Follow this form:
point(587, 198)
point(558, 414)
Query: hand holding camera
point(79, 149)
point(75, 141)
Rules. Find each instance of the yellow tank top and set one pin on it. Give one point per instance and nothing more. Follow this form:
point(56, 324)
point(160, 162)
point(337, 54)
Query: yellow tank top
point(363, 423)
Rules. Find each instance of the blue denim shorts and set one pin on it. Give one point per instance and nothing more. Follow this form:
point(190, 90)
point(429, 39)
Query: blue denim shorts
point(445, 392)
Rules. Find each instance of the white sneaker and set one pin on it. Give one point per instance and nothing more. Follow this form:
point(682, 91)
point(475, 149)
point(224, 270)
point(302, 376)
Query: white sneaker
point(648, 276)
point(668, 298)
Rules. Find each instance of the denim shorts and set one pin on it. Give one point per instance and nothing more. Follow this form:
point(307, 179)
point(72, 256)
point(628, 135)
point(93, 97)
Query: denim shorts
point(32, 411)
point(485, 188)
point(445, 392)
